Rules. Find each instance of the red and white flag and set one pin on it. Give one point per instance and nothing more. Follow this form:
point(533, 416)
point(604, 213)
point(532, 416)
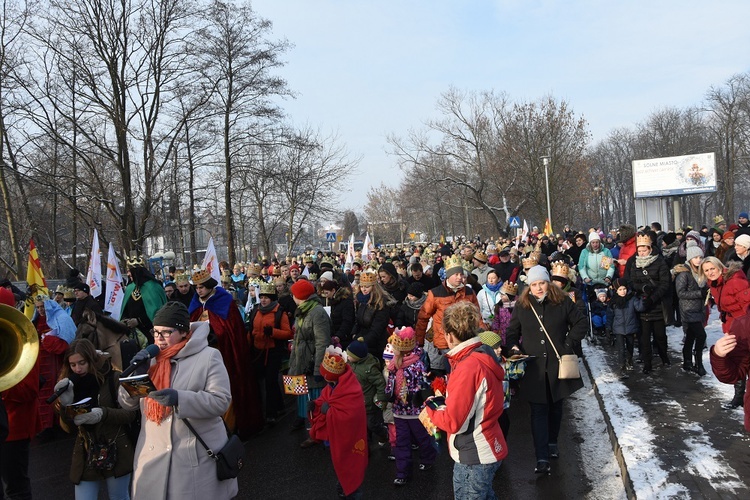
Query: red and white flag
point(94, 273)
point(115, 292)
point(211, 261)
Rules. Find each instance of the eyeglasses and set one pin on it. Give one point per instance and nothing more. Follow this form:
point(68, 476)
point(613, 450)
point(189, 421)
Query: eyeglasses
point(164, 334)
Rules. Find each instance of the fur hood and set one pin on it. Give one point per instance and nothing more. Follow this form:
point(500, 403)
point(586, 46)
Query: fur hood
point(680, 268)
point(343, 293)
point(732, 268)
point(627, 231)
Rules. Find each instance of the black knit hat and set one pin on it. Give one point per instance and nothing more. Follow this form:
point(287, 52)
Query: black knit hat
point(416, 289)
point(173, 315)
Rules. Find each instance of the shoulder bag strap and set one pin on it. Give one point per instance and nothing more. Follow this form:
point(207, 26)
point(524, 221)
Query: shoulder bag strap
point(545, 332)
point(198, 437)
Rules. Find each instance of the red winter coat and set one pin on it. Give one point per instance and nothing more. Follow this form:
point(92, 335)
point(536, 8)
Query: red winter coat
point(473, 403)
point(628, 250)
point(736, 365)
point(22, 404)
point(731, 293)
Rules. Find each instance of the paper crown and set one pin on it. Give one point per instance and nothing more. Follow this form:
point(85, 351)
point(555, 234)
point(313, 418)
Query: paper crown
point(329, 261)
point(560, 268)
point(255, 281)
point(719, 220)
point(135, 260)
point(509, 288)
point(334, 363)
point(368, 277)
point(452, 262)
point(276, 271)
point(201, 276)
point(279, 280)
point(226, 272)
point(61, 289)
point(254, 269)
point(312, 276)
point(309, 258)
point(481, 257)
point(39, 299)
point(403, 340)
point(182, 278)
point(267, 289)
point(643, 240)
point(530, 261)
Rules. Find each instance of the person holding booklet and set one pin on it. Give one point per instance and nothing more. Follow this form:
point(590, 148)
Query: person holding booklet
point(192, 384)
point(102, 452)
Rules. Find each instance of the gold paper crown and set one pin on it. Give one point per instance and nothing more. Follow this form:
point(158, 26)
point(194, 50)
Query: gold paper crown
point(403, 344)
point(255, 281)
point(308, 258)
point(368, 277)
point(276, 271)
point(40, 298)
point(226, 272)
point(452, 262)
point(643, 240)
point(312, 276)
point(61, 289)
point(530, 261)
point(467, 265)
point(481, 257)
point(278, 280)
point(201, 276)
point(328, 260)
point(560, 268)
point(267, 289)
point(509, 288)
point(334, 360)
point(182, 278)
point(254, 270)
point(719, 220)
point(135, 260)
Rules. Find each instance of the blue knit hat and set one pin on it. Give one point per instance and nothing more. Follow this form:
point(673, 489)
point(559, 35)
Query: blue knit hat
point(357, 349)
point(743, 215)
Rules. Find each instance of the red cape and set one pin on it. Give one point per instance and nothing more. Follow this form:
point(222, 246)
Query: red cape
point(232, 343)
point(347, 422)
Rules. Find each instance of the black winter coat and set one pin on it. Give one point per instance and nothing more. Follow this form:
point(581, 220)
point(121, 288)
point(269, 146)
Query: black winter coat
point(733, 257)
point(621, 316)
point(342, 315)
point(372, 325)
point(652, 282)
point(565, 325)
point(691, 295)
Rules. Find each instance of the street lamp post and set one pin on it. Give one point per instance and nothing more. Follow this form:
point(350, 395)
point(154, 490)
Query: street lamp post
point(546, 160)
point(600, 191)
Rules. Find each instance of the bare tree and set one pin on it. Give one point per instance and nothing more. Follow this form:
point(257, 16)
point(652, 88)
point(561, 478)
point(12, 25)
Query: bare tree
point(239, 60)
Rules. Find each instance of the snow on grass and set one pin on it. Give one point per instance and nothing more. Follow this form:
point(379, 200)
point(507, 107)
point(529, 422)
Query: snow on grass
point(634, 433)
point(599, 462)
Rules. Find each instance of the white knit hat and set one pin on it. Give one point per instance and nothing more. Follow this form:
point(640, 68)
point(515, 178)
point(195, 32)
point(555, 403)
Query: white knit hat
point(326, 276)
point(593, 235)
point(537, 273)
point(743, 240)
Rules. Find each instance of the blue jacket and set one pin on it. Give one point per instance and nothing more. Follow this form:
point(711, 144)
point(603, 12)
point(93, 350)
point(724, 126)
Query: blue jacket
point(621, 316)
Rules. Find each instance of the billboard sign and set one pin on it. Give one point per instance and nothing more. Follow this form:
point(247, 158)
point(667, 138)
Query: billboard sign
point(674, 175)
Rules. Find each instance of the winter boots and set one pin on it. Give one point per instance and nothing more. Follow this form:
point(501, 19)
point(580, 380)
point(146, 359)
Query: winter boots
point(739, 396)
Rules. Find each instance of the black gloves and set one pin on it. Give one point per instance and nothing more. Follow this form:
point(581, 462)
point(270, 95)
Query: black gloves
point(268, 330)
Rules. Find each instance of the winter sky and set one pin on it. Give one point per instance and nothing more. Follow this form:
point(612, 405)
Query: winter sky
point(364, 69)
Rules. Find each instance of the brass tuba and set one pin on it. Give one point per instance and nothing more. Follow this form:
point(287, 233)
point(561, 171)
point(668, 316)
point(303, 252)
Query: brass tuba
point(19, 346)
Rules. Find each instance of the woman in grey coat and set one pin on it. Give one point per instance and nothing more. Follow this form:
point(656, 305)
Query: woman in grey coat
point(692, 309)
point(192, 384)
point(311, 337)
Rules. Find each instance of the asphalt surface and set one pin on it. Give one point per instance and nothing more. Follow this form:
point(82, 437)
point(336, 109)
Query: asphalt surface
point(277, 468)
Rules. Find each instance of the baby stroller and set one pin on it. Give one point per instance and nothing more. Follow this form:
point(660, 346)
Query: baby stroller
point(598, 312)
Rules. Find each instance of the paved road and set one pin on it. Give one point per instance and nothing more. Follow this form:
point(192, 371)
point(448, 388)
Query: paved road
point(278, 469)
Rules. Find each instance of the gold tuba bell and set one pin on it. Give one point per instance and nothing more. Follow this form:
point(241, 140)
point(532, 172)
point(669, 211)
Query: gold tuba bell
point(19, 346)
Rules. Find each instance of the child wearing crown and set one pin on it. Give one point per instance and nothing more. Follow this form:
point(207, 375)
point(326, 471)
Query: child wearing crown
point(406, 378)
point(338, 416)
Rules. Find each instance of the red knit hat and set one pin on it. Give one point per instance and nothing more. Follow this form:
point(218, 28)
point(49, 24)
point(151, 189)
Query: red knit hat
point(727, 235)
point(302, 289)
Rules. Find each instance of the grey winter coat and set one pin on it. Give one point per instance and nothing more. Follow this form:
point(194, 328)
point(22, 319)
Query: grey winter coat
point(170, 463)
point(312, 336)
point(565, 325)
point(692, 296)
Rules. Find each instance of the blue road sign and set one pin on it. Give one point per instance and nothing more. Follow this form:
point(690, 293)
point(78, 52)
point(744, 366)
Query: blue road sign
point(331, 237)
point(514, 222)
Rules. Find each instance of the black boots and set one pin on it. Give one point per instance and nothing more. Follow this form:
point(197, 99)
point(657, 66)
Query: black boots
point(739, 396)
point(698, 368)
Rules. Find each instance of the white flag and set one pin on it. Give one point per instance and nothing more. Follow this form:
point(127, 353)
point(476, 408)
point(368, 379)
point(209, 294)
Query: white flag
point(366, 248)
point(94, 273)
point(115, 292)
point(524, 234)
point(350, 250)
point(211, 262)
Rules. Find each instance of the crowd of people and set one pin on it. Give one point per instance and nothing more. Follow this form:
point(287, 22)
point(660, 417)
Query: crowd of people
point(391, 345)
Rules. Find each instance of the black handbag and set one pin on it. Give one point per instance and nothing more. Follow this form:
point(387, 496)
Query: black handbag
point(230, 459)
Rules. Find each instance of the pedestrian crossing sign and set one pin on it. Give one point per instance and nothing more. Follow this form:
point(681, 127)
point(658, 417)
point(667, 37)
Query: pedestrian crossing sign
point(514, 222)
